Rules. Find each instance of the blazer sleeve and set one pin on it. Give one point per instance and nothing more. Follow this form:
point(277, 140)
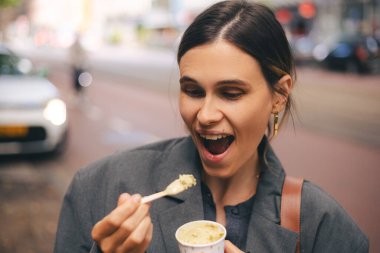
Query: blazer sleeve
point(74, 226)
point(325, 225)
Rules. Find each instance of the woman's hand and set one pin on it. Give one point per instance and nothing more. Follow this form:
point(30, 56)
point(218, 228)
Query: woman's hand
point(128, 228)
point(230, 248)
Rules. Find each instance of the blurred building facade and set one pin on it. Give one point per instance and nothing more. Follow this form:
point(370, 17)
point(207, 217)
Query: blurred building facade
point(314, 28)
point(160, 22)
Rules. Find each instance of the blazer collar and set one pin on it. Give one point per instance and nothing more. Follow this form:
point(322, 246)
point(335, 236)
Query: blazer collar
point(186, 206)
point(183, 159)
point(269, 189)
point(172, 218)
point(265, 233)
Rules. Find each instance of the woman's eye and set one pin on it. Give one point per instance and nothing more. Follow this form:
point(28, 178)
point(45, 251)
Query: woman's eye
point(193, 92)
point(232, 94)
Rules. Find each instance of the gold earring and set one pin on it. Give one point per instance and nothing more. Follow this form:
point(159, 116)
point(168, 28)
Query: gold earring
point(275, 124)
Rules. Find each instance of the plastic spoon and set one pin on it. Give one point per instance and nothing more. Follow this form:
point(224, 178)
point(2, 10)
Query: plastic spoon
point(181, 184)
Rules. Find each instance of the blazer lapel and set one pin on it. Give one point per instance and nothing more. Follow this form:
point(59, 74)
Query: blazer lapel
point(191, 209)
point(266, 236)
point(174, 211)
point(265, 233)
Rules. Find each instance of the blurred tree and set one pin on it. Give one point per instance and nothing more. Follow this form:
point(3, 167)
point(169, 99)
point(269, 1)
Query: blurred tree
point(8, 3)
point(7, 14)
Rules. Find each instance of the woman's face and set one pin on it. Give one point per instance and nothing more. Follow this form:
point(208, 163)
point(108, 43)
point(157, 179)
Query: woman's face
point(226, 104)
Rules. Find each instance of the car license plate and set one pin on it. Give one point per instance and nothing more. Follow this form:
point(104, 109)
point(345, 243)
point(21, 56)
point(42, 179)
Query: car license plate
point(13, 131)
point(10, 148)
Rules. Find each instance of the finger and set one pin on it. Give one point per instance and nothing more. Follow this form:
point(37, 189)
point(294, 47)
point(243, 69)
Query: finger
point(122, 198)
point(141, 237)
point(126, 229)
point(113, 221)
point(229, 247)
point(145, 244)
point(148, 237)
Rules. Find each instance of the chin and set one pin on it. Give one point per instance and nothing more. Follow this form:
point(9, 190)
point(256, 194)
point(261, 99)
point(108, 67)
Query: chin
point(222, 172)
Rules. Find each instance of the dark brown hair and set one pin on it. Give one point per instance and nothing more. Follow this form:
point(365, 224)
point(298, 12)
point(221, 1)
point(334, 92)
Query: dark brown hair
point(251, 27)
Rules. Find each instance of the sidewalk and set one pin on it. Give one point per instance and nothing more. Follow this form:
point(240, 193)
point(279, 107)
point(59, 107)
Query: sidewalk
point(140, 55)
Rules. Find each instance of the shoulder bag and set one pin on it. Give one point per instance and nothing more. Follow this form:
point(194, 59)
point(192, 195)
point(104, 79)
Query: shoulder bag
point(291, 206)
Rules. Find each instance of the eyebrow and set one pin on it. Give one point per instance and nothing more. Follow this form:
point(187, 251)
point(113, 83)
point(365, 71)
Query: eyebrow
point(187, 79)
point(221, 82)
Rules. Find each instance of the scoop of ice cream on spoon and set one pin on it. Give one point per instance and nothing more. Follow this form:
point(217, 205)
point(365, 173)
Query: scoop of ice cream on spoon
point(181, 184)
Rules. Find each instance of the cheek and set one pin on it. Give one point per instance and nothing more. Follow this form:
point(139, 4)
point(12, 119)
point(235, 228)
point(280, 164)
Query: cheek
point(254, 119)
point(187, 110)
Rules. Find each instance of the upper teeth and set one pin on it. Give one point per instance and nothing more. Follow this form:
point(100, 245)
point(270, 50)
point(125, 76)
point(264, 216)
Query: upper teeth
point(213, 137)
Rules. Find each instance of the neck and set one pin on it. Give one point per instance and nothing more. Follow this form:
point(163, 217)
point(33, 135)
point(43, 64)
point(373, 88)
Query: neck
point(235, 189)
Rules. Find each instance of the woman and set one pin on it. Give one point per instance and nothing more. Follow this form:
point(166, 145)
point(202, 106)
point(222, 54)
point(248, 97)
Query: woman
point(236, 73)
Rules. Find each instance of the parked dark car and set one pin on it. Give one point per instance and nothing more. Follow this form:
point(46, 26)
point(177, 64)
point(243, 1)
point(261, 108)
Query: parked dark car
point(359, 54)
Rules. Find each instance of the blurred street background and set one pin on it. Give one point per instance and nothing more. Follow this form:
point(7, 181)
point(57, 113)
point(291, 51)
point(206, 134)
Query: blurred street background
point(129, 98)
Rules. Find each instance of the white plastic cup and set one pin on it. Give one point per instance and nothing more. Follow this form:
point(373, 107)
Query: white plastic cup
point(213, 246)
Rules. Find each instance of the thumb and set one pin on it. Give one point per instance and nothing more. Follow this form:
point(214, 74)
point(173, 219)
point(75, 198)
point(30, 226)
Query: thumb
point(229, 247)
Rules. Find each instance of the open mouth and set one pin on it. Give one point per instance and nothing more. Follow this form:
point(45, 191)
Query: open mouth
point(217, 144)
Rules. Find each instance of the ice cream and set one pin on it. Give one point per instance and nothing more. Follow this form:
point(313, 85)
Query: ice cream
point(187, 180)
point(184, 182)
point(196, 233)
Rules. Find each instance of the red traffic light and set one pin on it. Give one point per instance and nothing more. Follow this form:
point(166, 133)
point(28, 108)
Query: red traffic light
point(307, 10)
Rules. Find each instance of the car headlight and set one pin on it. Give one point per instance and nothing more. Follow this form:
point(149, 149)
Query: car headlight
point(55, 112)
point(320, 52)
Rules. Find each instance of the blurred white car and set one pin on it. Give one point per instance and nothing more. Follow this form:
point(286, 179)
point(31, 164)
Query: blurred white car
point(33, 118)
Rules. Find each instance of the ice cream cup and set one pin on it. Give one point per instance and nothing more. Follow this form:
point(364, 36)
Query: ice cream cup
point(201, 236)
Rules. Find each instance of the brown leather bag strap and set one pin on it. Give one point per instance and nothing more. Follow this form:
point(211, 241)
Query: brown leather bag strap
point(291, 206)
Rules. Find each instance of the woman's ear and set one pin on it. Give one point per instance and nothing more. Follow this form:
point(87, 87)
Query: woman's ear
point(283, 88)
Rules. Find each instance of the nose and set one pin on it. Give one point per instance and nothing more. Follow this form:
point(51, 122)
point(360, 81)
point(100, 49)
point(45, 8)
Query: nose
point(209, 113)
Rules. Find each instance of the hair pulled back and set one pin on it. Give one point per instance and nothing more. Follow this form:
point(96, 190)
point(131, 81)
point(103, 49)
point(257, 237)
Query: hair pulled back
point(253, 28)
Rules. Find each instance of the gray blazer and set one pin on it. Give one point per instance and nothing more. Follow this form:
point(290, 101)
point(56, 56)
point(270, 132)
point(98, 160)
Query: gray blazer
point(93, 193)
